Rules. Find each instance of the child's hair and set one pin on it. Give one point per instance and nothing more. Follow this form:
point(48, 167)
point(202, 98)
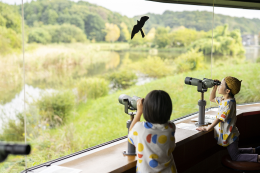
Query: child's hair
point(230, 94)
point(157, 107)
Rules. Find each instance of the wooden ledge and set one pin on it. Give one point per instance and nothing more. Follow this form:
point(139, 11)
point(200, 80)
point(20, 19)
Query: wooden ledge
point(111, 159)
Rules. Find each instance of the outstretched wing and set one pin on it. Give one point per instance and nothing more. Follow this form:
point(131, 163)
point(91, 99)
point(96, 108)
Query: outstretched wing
point(135, 30)
point(143, 20)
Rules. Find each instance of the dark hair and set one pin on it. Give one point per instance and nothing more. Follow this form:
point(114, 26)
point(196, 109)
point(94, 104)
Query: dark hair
point(230, 94)
point(157, 107)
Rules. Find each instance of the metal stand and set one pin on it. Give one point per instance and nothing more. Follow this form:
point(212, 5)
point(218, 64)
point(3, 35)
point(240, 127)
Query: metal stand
point(130, 147)
point(202, 104)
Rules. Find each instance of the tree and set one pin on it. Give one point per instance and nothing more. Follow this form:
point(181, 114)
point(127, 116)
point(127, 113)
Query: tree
point(162, 37)
point(39, 35)
point(224, 42)
point(184, 37)
point(65, 33)
point(124, 33)
point(49, 17)
point(94, 27)
point(151, 34)
point(77, 21)
point(113, 32)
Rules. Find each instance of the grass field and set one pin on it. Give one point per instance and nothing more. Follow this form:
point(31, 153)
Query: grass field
point(103, 119)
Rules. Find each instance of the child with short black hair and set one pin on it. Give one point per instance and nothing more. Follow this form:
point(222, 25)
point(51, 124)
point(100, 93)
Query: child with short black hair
point(226, 132)
point(154, 139)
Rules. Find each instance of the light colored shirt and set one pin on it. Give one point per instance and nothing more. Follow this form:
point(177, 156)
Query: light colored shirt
point(226, 131)
point(154, 146)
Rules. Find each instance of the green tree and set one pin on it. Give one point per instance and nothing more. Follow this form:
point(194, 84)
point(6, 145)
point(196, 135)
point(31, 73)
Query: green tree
point(94, 27)
point(66, 33)
point(184, 37)
point(64, 18)
point(49, 17)
point(39, 35)
point(162, 37)
point(77, 21)
point(9, 40)
point(224, 42)
point(112, 32)
point(124, 33)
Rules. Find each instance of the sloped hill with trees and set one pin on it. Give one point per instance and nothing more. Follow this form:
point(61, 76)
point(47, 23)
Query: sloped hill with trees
point(88, 17)
point(200, 20)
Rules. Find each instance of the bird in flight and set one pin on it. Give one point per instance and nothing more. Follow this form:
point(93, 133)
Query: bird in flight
point(138, 27)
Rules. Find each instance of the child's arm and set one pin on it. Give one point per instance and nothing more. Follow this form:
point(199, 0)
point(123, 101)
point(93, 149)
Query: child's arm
point(213, 93)
point(215, 122)
point(138, 113)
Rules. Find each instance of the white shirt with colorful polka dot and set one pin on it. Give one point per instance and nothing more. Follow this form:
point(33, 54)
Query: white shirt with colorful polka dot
point(226, 131)
point(154, 146)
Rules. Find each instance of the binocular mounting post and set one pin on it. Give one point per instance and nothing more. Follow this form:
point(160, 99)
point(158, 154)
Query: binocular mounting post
point(130, 147)
point(202, 104)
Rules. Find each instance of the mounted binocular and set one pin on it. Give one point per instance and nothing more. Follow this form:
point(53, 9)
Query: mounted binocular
point(202, 85)
point(129, 102)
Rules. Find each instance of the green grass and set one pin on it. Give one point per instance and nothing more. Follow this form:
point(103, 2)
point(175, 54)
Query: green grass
point(103, 119)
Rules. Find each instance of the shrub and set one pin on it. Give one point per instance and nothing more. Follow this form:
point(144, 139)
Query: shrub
point(54, 108)
point(13, 130)
point(192, 60)
point(122, 79)
point(92, 88)
point(39, 35)
point(9, 40)
point(65, 33)
point(155, 67)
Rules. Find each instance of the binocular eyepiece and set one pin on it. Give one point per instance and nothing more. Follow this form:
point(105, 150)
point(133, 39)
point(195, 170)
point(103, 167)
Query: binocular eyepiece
point(130, 101)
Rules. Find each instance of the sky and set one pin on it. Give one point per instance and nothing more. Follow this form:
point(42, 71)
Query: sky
point(132, 8)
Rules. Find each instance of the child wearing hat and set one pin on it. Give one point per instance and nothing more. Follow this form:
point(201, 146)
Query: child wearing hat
point(225, 130)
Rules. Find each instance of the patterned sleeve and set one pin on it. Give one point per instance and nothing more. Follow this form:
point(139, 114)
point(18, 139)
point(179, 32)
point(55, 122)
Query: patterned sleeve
point(172, 138)
point(218, 100)
point(224, 112)
point(133, 133)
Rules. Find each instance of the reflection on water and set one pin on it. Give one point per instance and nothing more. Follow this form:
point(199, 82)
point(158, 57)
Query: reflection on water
point(9, 110)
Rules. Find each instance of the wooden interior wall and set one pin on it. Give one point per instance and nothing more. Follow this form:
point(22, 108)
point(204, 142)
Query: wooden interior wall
point(205, 148)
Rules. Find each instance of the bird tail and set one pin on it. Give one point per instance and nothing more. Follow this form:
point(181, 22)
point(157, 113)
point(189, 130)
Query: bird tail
point(142, 33)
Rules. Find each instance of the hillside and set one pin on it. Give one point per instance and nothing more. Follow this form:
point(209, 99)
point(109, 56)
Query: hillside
point(201, 20)
point(47, 20)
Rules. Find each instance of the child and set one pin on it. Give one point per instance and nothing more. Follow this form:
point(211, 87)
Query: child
point(154, 139)
point(226, 132)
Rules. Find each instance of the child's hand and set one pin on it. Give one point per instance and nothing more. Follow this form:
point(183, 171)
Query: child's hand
point(140, 106)
point(204, 129)
point(216, 86)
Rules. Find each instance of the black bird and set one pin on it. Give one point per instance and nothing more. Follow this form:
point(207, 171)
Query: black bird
point(139, 26)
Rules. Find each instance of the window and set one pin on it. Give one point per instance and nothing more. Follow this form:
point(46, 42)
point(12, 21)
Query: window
point(79, 58)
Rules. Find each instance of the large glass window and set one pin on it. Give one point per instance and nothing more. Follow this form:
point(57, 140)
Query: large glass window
point(236, 50)
point(79, 58)
point(11, 83)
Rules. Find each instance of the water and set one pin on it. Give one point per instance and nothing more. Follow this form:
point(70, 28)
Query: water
point(9, 110)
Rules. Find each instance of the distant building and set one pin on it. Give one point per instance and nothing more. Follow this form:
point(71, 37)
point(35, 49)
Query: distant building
point(250, 40)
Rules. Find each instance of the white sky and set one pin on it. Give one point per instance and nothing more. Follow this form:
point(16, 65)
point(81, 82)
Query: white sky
point(131, 8)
